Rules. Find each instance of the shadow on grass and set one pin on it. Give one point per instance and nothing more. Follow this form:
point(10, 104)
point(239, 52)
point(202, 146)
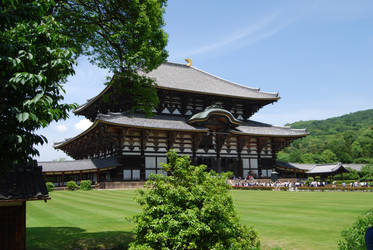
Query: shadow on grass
point(76, 238)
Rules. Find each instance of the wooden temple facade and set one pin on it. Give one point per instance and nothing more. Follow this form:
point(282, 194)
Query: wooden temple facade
point(199, 114)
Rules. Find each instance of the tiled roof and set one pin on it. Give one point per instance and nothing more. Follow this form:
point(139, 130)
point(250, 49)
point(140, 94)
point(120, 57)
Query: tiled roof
point(288, 165)
point(329, 168)
point(184, 78)
point(157, 121)
point(23, 183)
point(188, 78)
point(78, 165)
point(258, 128)
point(357, 167)
point(315, 168)
point(178, 123)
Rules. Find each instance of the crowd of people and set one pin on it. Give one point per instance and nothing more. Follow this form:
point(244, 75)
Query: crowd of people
point(291, 184)
point(257, 182)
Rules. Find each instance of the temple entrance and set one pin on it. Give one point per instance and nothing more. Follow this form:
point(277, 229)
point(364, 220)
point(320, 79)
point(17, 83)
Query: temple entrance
point(231, 164)
point(227, 164)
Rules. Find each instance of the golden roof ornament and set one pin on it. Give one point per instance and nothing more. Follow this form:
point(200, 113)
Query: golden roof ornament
point(189, 62)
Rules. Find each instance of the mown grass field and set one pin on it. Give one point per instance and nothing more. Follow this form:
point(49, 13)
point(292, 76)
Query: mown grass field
point(99, 219)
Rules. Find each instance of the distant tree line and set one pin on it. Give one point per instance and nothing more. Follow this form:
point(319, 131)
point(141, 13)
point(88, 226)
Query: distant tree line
point(347, 139)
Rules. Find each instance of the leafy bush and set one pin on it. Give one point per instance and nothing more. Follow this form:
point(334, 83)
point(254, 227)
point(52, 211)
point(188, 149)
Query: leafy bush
point(190, 209)
point(71, 185)
point(50, 186)
point(366, 173)
point(85, 185)
point(309, 180)
point(353, 237)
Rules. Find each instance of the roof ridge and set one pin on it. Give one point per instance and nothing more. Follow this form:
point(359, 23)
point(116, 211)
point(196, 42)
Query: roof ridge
point(233, 83)
point(277, 126)
point(91, 100)
point(176, 64)
point(62, 161)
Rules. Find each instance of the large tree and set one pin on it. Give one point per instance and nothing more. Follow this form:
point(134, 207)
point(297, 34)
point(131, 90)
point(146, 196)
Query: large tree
point(34, 62)
point(39, 42)
point(124, 36)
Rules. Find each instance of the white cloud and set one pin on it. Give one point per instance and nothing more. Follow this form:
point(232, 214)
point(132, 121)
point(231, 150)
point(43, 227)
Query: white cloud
point(252, 30)
point(259, 30)
point(83, 124)
point(61, 128)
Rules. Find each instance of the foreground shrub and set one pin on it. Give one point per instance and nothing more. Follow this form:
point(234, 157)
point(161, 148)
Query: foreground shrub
point(50, 186)
point(353, 237)
point(190, 209)
point(85, 185)
point(71, 185)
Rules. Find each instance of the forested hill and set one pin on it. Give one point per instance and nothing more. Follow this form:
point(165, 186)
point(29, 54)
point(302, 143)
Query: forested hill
point(347, 138)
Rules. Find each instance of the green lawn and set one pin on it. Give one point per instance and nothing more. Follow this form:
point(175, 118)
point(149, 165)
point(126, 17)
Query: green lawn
point(99, 219)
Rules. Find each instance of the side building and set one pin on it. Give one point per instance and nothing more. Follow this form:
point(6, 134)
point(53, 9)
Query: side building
point(199, 114)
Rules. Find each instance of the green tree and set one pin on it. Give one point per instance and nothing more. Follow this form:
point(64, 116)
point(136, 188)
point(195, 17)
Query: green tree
point(35, 62)
point(352, 174)
point(282, 156)
point(308, 158)
point(365, 141)
point(39, 42)
point(123, 36)
point(344, 157)
point(295, 156)
point(366, 173)
point(356, 150)
point(190, 209)
point(327, 156)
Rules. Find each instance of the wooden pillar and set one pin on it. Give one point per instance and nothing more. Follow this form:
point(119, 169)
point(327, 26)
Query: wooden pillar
point(23, 226)
point(259, 150)
point(63, 179)
point(241, 142)
point(144, 137)
point(196, 140)
point(219, 142)
point(98, 176)
point(218, 163)
point(80, 173)
point(171, 137)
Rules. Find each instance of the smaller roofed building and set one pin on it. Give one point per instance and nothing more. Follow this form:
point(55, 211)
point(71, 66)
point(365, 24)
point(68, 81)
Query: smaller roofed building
point(300, 170)
point(95, 170)
point(199, 114)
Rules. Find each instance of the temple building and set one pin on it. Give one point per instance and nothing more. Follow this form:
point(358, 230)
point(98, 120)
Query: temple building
point(199, 114)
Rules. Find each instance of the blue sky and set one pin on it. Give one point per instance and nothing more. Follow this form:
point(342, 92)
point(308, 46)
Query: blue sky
point(317, 54)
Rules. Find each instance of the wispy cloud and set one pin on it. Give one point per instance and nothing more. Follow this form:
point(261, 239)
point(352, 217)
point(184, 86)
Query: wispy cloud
point(263, 28)
point(236, 36)
point(61, 128)
point(83, 124)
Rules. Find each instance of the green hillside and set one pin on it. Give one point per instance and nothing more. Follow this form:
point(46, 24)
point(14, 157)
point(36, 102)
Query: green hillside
point(347, 139)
